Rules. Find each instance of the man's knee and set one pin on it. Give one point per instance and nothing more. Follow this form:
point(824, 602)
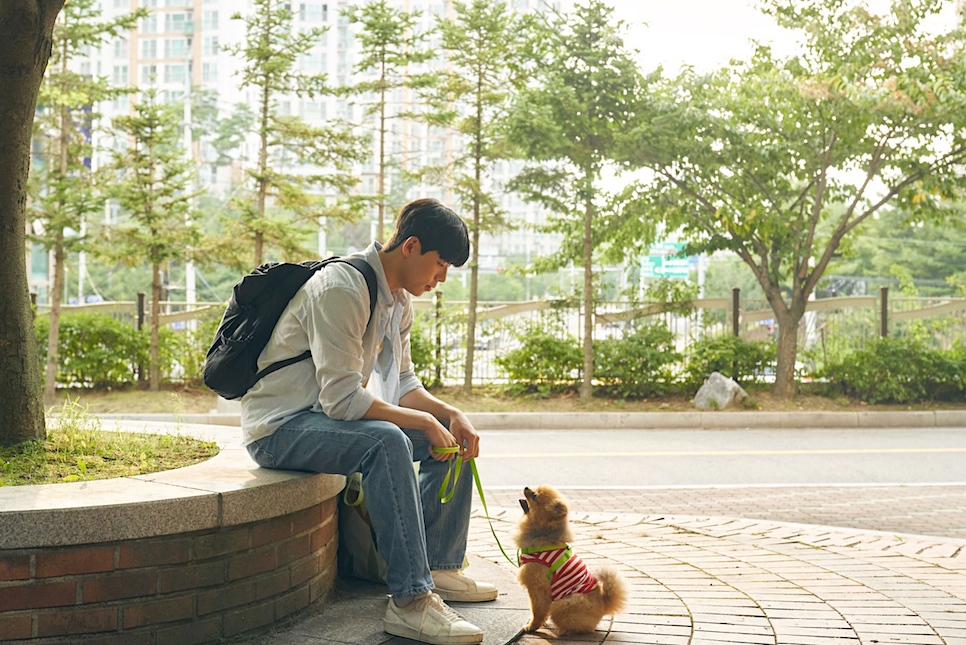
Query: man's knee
point(391, 438)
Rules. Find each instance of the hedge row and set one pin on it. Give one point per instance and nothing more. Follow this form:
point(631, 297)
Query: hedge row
point(642, 363)
point(97, 351)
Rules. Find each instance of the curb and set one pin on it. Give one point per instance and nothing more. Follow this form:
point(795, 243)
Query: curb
point(648, 420)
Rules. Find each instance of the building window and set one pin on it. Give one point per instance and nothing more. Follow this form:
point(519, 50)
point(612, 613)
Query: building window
point(209, 72)
point(149, 48)
point(149, 24)
point(174, 74)
point(121, 48)
point(120, 75)
point(176, 47)
point(313, 61)
point(149, 3)
point(179, 23)
point(210, 20)
point(313, 12)
point(149, 74)
point(312, 110)
point(211, 45)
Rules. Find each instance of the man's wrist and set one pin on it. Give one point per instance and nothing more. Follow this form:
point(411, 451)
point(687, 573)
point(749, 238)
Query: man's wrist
point(454, 413)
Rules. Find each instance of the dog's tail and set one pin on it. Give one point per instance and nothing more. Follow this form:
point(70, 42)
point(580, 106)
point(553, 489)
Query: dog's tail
point(613, 590)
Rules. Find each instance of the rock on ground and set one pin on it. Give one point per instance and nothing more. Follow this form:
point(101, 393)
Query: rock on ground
point(718, 393)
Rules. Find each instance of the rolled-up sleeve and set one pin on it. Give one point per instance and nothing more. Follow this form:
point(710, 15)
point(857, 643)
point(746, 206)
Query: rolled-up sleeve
point(408, 381)
point(335, 324)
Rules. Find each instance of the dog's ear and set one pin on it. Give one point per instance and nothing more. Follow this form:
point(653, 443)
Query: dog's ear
point(557, 511)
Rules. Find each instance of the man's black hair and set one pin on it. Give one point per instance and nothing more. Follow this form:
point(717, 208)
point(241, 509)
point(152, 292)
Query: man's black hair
point(436, 227)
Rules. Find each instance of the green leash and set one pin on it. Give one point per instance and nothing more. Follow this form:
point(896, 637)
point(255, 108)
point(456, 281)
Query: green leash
point(444, 497)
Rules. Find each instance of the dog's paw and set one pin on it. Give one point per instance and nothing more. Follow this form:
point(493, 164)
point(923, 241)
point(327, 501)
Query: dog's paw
point(532, 626)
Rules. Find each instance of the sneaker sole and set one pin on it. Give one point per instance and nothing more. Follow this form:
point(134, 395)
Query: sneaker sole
point(408, 632)
point(466, 596)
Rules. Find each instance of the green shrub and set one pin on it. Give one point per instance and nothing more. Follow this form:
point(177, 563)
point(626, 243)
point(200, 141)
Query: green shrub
point(422, 351)
point(94, 350)
point(97, 351)
point(185, 349)
point(900, 370)
point(731, 356)
point(543, 363)
point(638, 365)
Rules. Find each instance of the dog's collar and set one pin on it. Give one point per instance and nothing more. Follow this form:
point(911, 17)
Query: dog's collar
point(542, 549)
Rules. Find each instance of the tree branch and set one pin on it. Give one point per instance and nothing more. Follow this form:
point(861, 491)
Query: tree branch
point(806, 249)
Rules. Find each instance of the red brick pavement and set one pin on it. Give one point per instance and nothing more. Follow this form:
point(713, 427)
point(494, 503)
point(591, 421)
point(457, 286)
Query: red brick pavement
point(719, 581)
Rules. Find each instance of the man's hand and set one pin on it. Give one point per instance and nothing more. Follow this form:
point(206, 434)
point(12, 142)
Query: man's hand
point(439, 437)
point(465, 434)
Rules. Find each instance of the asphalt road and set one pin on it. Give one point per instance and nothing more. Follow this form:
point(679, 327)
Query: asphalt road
point(626, 459)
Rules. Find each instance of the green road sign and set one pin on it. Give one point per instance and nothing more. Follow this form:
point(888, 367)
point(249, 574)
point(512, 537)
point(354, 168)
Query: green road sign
point(663, 262)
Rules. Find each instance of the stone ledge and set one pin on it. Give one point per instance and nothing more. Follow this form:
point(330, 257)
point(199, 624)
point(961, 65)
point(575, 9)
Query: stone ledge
point(227, 490)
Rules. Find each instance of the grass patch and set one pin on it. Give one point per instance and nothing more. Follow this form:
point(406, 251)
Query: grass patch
point(77, 449)
point(172, 399)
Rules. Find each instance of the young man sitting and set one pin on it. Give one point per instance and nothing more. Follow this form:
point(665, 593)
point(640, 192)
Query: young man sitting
point(317, 415)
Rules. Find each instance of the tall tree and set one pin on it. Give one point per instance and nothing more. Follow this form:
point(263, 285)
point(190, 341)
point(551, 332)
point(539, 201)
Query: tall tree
point(781, 160)
point(573, 120)
point(67, 193)
point(152, 187)
point(488, 51)
point(388, 44)
point(270, 51)
point(26, 38)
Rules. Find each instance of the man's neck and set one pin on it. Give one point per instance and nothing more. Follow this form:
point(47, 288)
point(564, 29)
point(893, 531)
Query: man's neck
point(392, 266)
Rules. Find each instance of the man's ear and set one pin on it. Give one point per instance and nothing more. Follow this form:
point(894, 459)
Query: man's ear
point(411, 244)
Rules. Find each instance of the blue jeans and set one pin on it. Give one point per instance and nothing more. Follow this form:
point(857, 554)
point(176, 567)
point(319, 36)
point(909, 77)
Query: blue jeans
point(414, 532)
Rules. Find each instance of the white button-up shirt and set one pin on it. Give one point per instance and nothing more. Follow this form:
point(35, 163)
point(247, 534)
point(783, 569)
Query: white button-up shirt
point(329, 315)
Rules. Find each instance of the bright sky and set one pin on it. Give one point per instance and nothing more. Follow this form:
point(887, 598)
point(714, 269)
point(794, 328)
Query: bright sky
point(703, 33)
point(708, 33)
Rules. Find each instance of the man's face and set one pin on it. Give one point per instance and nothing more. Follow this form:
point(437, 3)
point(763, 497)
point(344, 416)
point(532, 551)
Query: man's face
point(423, 270)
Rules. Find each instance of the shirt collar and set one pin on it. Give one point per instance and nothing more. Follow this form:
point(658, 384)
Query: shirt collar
point(371, 255)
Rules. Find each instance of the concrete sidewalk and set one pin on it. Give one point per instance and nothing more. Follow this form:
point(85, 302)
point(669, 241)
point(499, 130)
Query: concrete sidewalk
point(712, 581)
point(707, 581)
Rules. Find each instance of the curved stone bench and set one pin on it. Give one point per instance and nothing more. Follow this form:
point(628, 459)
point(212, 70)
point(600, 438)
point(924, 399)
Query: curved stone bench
point(201, 554)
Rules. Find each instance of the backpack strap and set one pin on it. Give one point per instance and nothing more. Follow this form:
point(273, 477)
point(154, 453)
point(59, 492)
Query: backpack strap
point(368, 273)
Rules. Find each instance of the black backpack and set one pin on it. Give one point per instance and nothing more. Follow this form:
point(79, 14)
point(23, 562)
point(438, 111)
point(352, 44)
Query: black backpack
point(256, 304)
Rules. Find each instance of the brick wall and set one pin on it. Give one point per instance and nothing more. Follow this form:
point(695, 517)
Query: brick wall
point(185, 589)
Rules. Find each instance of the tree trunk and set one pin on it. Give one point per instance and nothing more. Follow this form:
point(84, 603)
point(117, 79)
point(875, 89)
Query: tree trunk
point(263, 147)
point(787, 352)
point(56, 294)
point(471, 313)
point(586, 386)
point(155, 371)
point(53, 335)
point(26, 37)
point(382, 155)
point(475, 264)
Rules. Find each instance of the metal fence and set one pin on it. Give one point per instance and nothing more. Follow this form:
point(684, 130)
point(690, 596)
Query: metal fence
point(831, 328)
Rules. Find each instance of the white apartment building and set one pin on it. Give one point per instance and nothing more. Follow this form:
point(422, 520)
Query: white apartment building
point(181, 44)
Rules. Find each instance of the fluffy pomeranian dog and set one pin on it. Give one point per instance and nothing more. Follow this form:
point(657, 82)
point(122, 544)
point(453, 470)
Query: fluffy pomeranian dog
point(559, 584)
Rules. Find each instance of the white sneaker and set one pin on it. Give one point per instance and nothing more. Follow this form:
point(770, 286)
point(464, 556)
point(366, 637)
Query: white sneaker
point(430, 620)
point(457, 586)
